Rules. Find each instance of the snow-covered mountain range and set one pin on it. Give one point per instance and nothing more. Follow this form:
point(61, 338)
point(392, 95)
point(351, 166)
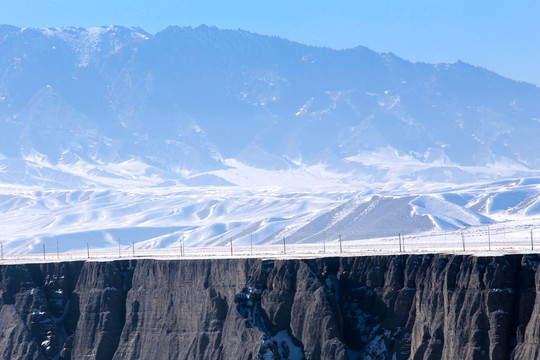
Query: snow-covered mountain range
point(212, 134)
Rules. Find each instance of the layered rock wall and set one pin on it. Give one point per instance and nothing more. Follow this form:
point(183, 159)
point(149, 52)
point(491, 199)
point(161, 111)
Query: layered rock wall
point(371, 307)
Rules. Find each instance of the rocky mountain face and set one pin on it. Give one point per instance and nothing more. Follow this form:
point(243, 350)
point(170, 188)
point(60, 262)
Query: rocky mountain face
point(186, 98)
point(372, 307)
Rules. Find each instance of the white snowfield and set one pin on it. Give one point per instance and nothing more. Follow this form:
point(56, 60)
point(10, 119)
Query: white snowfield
point(305, 214)
point(121, 145)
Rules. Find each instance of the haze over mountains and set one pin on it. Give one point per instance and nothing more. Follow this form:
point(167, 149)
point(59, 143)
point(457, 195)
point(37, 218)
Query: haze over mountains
point(118, 108)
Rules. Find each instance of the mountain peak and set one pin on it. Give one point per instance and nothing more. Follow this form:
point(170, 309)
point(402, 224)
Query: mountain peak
point(293, 101)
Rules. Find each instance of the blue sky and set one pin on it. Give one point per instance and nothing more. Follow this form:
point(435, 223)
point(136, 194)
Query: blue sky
point(503, 36)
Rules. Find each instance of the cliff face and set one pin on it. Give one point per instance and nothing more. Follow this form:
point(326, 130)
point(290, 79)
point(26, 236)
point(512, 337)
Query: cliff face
point(372, 307)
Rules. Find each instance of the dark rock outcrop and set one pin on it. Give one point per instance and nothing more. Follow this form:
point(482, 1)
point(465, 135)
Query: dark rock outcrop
point(372, 307)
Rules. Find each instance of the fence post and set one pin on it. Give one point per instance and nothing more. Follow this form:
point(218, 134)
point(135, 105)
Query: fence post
point(399, 240)
point(231, 248)
point(489, 240)
point(88, 250)
point(182, 246)
point(532, 243)
point(463, 240)
point(284, 247)
point(340, 248)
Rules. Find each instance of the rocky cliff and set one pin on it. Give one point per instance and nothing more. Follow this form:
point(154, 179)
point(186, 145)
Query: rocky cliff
point(372, 307)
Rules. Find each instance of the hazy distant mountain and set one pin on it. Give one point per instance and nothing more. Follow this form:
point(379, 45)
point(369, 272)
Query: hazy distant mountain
point(185, 99)
point(100, 129)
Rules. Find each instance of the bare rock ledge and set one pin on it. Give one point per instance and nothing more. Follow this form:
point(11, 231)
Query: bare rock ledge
point(433, 306)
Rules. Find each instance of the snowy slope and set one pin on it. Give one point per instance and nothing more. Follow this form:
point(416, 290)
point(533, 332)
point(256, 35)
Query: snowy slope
point(112, 134)
point(159, 217)
point(185, 99)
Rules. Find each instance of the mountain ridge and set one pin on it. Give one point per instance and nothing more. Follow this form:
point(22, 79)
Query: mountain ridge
point(220, 134)
point(243, 89)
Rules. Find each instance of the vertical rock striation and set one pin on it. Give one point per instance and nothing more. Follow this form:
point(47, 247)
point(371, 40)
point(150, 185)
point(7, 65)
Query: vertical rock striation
point(370, 307)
